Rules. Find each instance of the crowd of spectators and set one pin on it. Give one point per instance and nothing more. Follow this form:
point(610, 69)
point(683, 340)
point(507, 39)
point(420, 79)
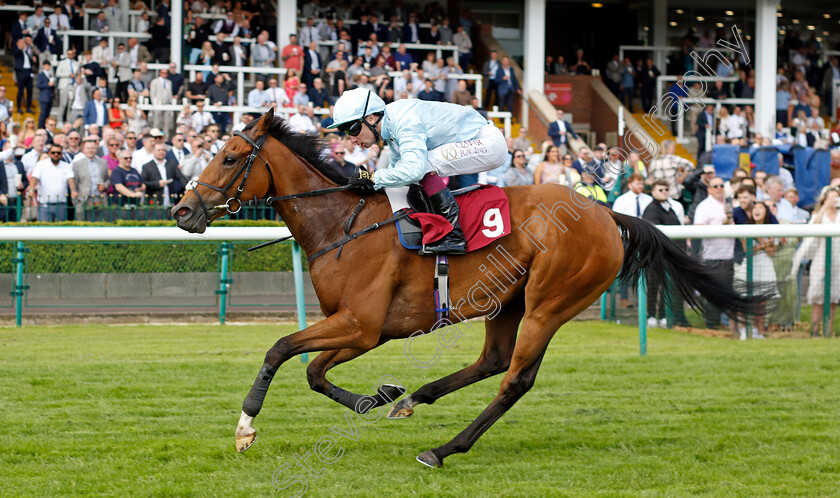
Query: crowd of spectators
point(95, 154)
point(804, 91)
point(88, 94)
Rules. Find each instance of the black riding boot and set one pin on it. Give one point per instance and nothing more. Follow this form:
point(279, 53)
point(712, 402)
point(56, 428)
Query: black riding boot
point(454, 242)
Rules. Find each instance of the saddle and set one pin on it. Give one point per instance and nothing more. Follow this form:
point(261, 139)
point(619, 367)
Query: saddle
point(485, 217)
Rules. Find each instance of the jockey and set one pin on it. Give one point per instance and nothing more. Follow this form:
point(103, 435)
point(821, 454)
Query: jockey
point(428, 140)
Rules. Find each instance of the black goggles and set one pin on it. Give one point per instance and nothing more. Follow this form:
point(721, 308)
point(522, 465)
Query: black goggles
point(353, 128)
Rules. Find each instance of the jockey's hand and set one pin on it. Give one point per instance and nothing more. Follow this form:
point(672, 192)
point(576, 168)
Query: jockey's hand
point(362, 179)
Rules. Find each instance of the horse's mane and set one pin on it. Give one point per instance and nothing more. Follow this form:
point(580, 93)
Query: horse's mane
point(309, 147)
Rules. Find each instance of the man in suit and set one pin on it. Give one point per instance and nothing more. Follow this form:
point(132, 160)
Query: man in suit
point(65, 72)
point(102, 85)
point(100, 25)
point(91, 174)
point(138, 53)
point(91, 69)
point(411, 30)
point(19, 28)
point(46, 92)
point(489, 70)
point(311, 64)
point(559, 132)
point(238, 54)
point(179, 150)
point(59, 19)
point(359, 32)
point(705, 120)
point(162, 178)
point(647, 83)
point(95, 112)
point(113, 18)
point(47, 41)
point(318, 94)
point(506, 85)
point(77, 98)
point(9, 168)
point(221, 55)
point(122, 64)
point(309, 33)
point(160, 93)
point(25, 62)
point(159, 44)
point(177, 80)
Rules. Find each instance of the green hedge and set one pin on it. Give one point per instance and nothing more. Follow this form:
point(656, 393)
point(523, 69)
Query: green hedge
point(146, 257)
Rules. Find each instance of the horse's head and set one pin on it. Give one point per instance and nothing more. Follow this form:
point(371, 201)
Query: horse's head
point(235, 175)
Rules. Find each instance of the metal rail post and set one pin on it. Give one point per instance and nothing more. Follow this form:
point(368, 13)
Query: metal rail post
point(604, 305)
point(299, 297)
point(223, 282)
point(827, 291)
point(642, 302)
point(19, 286)
point(749, 255)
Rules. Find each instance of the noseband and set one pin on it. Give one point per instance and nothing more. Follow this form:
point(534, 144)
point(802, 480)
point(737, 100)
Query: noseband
point(246, 169)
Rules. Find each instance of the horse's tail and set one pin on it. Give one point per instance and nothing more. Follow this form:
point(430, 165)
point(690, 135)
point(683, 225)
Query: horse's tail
point(667, 264)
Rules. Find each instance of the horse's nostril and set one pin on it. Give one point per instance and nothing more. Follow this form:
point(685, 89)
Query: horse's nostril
point(183, 211)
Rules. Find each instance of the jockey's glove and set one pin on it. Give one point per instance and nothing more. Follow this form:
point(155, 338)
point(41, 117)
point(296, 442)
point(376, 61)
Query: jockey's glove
point(362, 179)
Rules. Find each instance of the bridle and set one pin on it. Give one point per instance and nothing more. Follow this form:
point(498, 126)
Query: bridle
point(245, 168)
point(244, 171)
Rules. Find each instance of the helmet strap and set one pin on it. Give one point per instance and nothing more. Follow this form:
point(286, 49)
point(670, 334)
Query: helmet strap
point(372, 127)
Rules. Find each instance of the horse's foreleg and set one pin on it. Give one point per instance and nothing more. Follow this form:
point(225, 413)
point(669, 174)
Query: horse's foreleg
point(341, 330)
point(316, 375)
point(499, 341)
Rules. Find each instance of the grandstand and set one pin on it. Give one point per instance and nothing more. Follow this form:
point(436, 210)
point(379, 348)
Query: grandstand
point(686, 87)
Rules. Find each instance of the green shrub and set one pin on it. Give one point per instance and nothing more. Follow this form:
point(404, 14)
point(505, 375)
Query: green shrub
point(147, 257)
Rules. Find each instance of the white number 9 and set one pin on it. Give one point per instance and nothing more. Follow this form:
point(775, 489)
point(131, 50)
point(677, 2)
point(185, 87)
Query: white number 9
point(494, 222)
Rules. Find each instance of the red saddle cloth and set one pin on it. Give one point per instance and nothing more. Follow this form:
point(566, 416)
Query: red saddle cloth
point(485, 217)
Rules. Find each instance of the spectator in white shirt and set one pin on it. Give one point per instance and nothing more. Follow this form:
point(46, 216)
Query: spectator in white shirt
point(301, 122)
point(715, 210)
point(51, 179)
point(735, 124)
point(31, 158)
point(634, 201)
point(59, 20)
point(257, 96)
point(193, 165)
point(143, 155)
point(201, 118)
point(275, 95)
point(240, 57)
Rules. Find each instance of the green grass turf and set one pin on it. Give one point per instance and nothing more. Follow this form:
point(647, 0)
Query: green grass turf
point(151, 411)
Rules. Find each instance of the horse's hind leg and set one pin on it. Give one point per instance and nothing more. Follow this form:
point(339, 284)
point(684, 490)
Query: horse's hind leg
point(527, 356)
point(316, 375)
point(499, 341)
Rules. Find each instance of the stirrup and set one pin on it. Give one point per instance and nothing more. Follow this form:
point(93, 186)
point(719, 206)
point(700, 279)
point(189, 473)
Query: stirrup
point(445, 246)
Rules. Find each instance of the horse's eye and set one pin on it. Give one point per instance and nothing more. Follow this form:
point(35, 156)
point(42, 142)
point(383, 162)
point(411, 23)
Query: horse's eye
point(230, 160)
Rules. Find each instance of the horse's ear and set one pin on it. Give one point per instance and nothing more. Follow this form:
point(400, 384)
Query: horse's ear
point(265, 121)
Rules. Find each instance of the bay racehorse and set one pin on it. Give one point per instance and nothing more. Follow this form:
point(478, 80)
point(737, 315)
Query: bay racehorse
point(563, 253)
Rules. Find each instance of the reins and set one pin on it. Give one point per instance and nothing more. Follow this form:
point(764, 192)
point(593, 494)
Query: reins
point(268, 201)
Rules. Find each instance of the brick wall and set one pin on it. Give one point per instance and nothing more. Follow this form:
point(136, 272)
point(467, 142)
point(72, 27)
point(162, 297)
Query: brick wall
point(587, 106)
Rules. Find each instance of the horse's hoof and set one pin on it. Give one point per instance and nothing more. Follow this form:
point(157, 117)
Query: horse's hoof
point(401, 409)
point(429, 459)
point(391, 392)
point(245, 442)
